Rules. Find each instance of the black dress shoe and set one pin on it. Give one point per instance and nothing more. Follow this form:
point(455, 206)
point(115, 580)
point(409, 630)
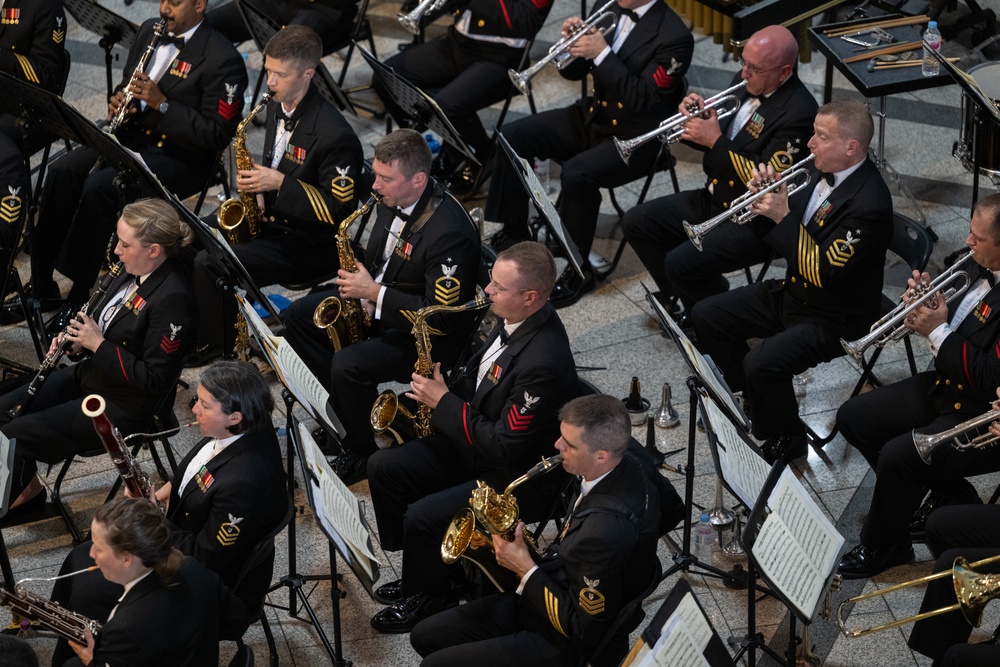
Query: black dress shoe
point(203, 355)
point(966, 496)
point(687, 326)
point(571, 287)
point(350, 467)
point(784, 446)
point(402, 616)
point(389, 593)
point(505, 238)
point(862, 562)
point(24, 512)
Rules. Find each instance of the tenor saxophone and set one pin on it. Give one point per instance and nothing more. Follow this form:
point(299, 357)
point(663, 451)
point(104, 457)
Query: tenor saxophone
point(387, 413)
point(122, 115)
point(346, 321)
point(240, 217)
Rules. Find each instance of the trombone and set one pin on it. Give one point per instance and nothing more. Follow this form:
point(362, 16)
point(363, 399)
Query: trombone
point(741, 209)
point(963, 437)
point(411, 21)
point(602, 20)
point(670, 130)
point(972, 589)
point(950, 284)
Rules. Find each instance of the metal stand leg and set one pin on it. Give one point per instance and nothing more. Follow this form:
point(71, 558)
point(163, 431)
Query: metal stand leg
point(891, 175)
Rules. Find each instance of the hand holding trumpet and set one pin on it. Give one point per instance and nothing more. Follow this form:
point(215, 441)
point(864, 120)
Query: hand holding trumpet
point(589, 45)
point(702, 125)
point(773, 205)
point(929, 315)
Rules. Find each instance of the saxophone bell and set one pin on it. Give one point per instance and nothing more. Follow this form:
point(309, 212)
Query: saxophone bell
point(326, 316)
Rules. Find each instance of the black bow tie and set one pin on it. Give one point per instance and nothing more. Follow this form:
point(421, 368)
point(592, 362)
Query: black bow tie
point(172, 39)
point(398, 213)
point(759, 98)
point(289, 121)
point(827, 176)
point(987, 275)
point(504, 336)
point(629, 13)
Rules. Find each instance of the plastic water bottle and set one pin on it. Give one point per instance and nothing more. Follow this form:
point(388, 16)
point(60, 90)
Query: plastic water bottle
point(251, 83)
point(704, 537)
point(932, 42)
point(433, 144)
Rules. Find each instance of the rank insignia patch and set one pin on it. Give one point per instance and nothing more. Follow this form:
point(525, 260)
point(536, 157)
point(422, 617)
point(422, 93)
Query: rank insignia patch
point(664, 78)
point(169, 343)
point(517, 420)
point(782, 160)
point(591, 599)
point(342, 187)
point(229, 108)
point(446, 288)
point(10, 206)
point(842, 250)
point(59, 33)
point(229, 531)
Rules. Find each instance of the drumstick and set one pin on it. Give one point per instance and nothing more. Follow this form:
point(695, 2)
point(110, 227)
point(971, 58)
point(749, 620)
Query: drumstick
point(874, 67)
point(888, 23)
point(889, 50)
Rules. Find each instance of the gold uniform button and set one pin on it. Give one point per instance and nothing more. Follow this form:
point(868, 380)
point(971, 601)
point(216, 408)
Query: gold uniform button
point(937, 382)
point(481, 23)
point(163, 136)
point(960, 387)
point(947, 382)
point(591, 109)
point(958, 406)
point(715, 181)
point(614, 122)
point(621, 106)
point(149, 133)
point(731, 184)
point(159, 144)
point(793, 279)
point(604, 104)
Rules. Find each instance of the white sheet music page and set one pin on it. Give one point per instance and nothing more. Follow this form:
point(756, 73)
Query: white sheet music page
point(6, 474)
point(337, 508)
point(683, 639)
point(743, 469)
point(798, 547)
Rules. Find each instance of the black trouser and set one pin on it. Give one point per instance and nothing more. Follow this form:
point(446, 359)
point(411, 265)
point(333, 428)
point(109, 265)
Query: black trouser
point(331, 26)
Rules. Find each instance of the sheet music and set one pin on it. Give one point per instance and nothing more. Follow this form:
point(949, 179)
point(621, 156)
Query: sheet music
point(6, 472)
point(743, 469)
point(292, 371)
point(798, 547)
point(683, 640)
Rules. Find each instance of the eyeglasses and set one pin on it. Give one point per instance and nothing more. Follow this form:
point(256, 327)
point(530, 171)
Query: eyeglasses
point(497, 288)
point(753, 70)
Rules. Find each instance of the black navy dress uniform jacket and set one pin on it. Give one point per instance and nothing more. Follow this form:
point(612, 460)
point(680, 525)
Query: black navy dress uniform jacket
point(642, 83)
point(32, 38)
point(204, 87)
point(775, 134)
point(322, 164)
point(510, 19)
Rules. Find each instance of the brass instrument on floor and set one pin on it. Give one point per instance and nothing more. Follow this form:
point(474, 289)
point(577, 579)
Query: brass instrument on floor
point(951, 284)
point(240, 218)
point(346, 321)
point(498, 514)
point(741, 210)
point(49, 615)
point(972, 590)
point(670, 130)
point(122, 115)
point(602, 20)
point(411, 21)
point(963, 437)
point(387, 414)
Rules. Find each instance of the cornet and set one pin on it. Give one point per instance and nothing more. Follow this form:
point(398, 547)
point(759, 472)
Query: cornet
point(891, 328)
point(670, 130)
point(963, 437)
point(602, 20)
point(411, 21)
point(741, 209)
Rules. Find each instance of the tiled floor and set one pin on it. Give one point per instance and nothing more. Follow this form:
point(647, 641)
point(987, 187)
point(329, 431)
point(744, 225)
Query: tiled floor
point(615, 338)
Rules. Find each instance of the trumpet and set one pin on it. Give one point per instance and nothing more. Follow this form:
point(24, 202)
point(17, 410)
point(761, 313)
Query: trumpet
point(602, 20)
point(741, 209)
point(972, 590)
point(411, 21)
point(670, 130)
point(122, 115)
point(950, 284)
point(963, 437)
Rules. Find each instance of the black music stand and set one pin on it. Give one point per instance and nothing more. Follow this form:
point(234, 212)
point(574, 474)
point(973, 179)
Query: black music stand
point(112, 29)
point(538, 196)
point(420, 109)
point(262, 28)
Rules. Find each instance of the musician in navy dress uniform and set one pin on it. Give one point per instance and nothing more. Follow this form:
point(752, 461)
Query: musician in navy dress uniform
point(184, 112)
point(134, 343)
point(466, 70)
point(605, 556)
point(310, 178)
point(638, 73)
point(773, 124)
point(332, 20)
point(834, 236)
point(15, 188)
point(497, 420)
point(963, 338)
point(423, 250)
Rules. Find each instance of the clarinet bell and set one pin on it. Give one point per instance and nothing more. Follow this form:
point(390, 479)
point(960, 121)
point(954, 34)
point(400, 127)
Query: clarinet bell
point(666, 416)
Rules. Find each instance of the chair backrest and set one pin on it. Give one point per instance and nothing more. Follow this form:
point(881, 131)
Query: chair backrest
point(911, 241)
point(249, 586)
point(628, 619)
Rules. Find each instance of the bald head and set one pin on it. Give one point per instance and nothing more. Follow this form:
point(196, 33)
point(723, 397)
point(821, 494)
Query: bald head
point(779, 42)
point(769, 57)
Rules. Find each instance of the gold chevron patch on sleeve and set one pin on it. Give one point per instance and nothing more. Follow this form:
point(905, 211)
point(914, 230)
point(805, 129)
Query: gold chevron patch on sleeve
point(591, 601)
point(552, 607)
point(10, 208)
point(743, 167)
point(838, 253)
point(27, 68)
point(228, 532)
point(318, 203)
point(809, 258)
point(781, 161)
point(342, 188)
point(446, 290)
point(58, 36)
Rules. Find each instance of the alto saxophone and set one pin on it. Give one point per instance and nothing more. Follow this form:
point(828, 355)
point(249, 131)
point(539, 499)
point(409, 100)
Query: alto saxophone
point(345, 320)
point(499, 514)
point(122, 115)
point(387, 413)
point(240, 217)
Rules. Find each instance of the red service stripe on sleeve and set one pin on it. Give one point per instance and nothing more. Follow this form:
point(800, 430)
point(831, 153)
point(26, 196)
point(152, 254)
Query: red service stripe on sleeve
point(506, 16)
point(662, 79)
point(465, 423)
point(516, 421)
point(540, 4)
point(121, 362)
point(965, 363)
point(996, 348)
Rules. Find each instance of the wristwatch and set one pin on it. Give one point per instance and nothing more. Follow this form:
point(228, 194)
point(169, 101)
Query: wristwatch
point(164, 105)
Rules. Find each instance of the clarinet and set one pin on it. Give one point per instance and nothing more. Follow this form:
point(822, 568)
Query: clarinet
point(136, 481)
point(53, 357)
point(122, 115)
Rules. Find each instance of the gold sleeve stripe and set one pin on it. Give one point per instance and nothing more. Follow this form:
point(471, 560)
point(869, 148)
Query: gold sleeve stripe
point(809, 258)
point(318, 203)
point(743, 167)
point(552, 607)
point(26, 66)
